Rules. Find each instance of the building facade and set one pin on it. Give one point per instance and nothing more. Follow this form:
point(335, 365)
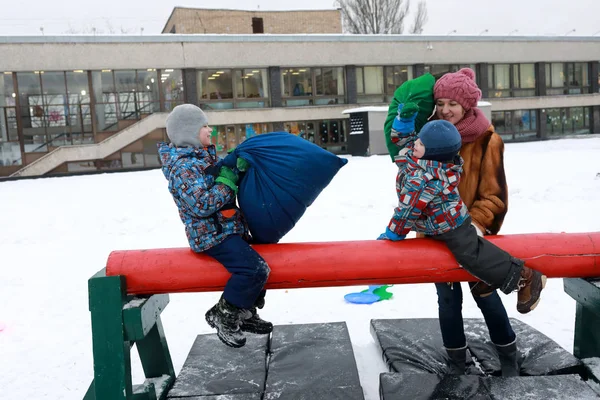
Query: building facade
point(202, 20)
point(89, 103)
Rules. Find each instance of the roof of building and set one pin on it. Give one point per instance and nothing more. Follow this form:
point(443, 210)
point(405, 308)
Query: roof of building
point(249, 11)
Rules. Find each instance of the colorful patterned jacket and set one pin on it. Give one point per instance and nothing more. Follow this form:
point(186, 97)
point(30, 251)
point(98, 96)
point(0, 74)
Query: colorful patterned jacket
point(429, 201)
point(207, 210)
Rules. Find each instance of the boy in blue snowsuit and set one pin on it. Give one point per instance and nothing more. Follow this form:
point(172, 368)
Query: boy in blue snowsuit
point(429, 169)
point(205, 193)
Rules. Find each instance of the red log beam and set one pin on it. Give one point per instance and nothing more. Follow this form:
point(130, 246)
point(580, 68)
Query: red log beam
point(369, 262)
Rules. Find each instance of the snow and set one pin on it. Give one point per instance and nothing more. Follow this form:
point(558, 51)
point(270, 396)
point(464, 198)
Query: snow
point(57, 232)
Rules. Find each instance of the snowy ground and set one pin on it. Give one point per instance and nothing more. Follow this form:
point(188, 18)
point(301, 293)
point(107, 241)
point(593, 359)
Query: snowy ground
point(57, 232)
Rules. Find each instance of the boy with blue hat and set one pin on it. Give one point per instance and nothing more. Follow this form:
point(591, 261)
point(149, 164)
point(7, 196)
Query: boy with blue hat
point(429, 201)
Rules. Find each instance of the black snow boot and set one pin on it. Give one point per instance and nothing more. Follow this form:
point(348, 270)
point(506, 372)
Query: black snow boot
point(226, 319)
point(509, 356)
point(252, 323)
point(458, 360)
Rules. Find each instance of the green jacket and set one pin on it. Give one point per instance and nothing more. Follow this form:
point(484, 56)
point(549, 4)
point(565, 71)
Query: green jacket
point(419, 91)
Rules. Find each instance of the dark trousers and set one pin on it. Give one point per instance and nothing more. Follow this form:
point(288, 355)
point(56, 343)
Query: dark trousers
point(482, 258)
point(249, 271)
point(450, 299)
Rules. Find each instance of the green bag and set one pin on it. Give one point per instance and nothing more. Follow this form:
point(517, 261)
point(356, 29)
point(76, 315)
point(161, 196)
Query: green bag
point(419, 91)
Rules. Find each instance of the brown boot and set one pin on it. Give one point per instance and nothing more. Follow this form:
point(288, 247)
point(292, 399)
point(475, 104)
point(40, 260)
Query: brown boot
point(530, 287)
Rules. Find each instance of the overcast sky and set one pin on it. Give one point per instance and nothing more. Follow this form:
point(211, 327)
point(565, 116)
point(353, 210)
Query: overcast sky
point(528, 17)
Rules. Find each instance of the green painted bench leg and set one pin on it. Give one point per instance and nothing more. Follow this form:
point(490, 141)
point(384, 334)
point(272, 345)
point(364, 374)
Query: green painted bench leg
point(587, 333)
point(112, 361)
point(90, 394)
point(587, 316)
point(154, 354)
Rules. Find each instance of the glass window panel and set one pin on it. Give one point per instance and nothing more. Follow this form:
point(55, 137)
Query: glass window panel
point(557, 75)
point(7, 91)
point(30, 91)
point(373, 80)
point(296, 82)
point(125, 81)
point(251, 83)
point(7, 111)
point(324, 132)
point(319, 84)
point(55, 102)
point(437, 70)
point(584, 77)
point(126, 85)
point(104, 93)
point(522, 120)
point(151, 157)
point(527, 74)
point(77, 87)
point(54, 83)
point(396, 76)
point(232, 140)
point(490, 76)
point(360, 86)
point(498, 121)
point(219, 84)
point(10, 154)
point(329, 81)
point(8, 124)
point(219, 137)
point(548, 75)
point(502, 76)
point(147, 88)
point(32, 110)
point(172, 85)
point(132, 160)
point(516, 81)
point(554, 124)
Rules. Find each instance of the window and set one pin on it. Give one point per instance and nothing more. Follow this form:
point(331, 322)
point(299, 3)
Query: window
point(171, 81)
point(567, 121)
point(394, 77)
point(227, 137)
point(32, 111)
point(511, 80)
point(230, 88)
point(567, 78)
point(124, 95)
point(369, 85)
point(515, 125)
point(79, 111)
point(437, 70)
point(251, 88)
point(329, 134)
point(312, 86)
point(10, 149)
point(257, 25)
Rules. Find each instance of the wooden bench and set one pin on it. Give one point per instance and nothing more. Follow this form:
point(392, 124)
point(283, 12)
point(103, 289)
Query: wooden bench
point(127, 297)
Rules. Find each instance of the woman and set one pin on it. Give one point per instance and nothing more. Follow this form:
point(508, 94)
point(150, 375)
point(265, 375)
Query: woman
point(484, 191)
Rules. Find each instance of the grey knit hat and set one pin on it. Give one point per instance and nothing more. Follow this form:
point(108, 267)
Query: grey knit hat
point(184, 123)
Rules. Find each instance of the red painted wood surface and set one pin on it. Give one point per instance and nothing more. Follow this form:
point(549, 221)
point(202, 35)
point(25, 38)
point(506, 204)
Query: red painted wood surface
point(369, 262)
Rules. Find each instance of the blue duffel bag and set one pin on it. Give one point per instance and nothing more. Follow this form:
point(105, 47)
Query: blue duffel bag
point(285, 176)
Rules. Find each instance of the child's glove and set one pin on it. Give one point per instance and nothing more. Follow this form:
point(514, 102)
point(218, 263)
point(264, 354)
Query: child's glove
point(242, 165)
point(404, 123)
point(390, 235)
point(228, 178)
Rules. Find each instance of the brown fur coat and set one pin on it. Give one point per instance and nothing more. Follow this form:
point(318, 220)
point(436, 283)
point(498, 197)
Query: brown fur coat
point(482, 185)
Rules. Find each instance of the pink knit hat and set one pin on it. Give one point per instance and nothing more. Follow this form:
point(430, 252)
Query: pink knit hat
point(459, 86)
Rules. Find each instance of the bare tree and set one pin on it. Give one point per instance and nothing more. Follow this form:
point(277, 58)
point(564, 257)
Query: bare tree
point(420, 19)
point(109, 28)
point(378, 16)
